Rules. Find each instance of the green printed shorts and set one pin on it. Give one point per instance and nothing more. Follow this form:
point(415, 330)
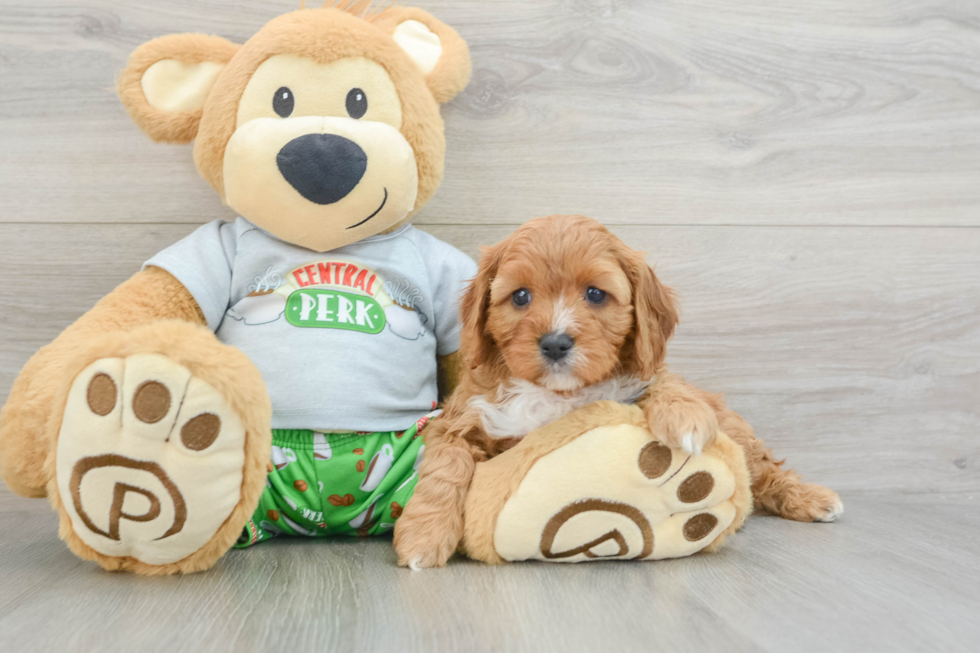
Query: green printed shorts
point(323, 484)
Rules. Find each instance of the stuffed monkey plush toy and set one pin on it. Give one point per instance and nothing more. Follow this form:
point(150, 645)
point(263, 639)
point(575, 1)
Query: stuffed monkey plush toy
point(274, 375)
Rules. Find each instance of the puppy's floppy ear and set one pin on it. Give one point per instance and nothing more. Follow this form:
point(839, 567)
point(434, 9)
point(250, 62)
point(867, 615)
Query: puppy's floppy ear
point(475, 342)
point(654, 318)
point(436, 48)
point(167, 80)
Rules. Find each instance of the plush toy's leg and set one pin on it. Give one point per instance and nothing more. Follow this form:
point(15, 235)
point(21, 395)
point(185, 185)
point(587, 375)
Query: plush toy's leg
point(160, 449)
point(23, 444)
point(597, 485)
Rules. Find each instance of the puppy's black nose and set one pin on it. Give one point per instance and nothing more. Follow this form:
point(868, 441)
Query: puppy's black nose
point(556, 345)
point(323, 168)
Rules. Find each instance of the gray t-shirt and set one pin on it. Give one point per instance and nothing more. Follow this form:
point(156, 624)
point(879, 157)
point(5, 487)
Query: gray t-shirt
point(346, 339)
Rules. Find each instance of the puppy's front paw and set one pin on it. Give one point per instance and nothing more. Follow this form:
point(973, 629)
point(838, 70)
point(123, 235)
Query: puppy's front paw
point(423, 546)
point(427, 560)
point(425, 552)
point(686, 425)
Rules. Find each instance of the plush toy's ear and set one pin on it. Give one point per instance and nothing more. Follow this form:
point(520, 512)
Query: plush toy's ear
point(439, 52)
point(167, 80)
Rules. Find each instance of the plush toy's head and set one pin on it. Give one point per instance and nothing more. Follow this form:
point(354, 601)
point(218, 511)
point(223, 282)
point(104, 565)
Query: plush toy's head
point(322, 129)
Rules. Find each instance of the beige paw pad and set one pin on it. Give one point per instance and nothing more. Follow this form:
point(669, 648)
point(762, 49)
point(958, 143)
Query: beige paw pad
point(149, 459)
point(614, 492)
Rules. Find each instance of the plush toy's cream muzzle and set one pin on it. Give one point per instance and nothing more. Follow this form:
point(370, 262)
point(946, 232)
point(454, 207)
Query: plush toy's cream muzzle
point(322, 181)
point(323, 129)
point(317, 156)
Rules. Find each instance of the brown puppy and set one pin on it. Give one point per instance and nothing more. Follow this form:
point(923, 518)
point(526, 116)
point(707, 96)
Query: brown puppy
point(561, 314)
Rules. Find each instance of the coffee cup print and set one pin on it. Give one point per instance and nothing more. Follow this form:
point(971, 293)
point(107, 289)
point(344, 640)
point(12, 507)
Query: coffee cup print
point(405, 321)
point(282, 456)
point(415, 467)
point(379, 466)
point(263, 304)
point(418, 458)
point(364, 519)
point(321, 448)
point(258, 307)
point(296, 527)
point(269, 528)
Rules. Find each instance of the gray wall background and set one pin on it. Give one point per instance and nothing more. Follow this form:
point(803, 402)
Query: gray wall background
point(806, 175)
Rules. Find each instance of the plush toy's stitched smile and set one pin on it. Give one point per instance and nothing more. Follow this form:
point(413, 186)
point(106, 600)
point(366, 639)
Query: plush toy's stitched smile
point(322, 181)
point(376, 211)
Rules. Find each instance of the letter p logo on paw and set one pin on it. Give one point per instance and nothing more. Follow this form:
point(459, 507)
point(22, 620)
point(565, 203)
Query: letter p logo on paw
point(616, 492)
point(111, 506)
point(149, 459)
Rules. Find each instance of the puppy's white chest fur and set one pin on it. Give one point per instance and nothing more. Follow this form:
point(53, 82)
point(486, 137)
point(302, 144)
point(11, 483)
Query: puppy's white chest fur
point(522, 406)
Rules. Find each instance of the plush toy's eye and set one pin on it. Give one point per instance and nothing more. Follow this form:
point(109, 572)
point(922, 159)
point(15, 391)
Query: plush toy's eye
point(595, 296)
point(283, 102)
point(356, 103)
point(521, 297)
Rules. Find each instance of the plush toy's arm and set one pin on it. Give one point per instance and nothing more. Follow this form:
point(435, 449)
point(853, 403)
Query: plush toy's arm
point(147, 296)
point(150, 295)
point(450, 370)
point(678, 415)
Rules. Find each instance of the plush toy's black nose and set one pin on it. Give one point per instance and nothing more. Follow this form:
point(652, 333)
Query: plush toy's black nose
point(323, 168)
point(556, 345)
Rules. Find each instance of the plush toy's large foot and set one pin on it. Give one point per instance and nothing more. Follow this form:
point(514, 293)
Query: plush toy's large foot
point(597, 485)
point(154, 471)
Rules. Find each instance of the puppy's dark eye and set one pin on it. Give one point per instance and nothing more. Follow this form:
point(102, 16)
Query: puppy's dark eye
point(595, 296)
point(356, 103)
point(521, 297)
point(283, 102)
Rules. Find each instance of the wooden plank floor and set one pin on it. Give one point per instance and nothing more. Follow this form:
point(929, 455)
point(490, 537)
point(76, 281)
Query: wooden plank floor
point(897, 574)
point(806, 175)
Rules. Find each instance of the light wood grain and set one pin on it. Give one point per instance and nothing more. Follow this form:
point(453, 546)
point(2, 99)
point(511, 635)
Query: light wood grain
point(892, 576)
point(702, 112)
point(804, 173)
point(855, 352)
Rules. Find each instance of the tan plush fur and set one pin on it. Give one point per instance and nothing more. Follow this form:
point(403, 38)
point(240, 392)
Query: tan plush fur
point(451, 74)
point(150, 313)
point(323, 35)
point(24, 434)
point(496, 480)
point(153, 312)
point(223, 367)
point(164, 126)
point(557, 259)
point(449, 371)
